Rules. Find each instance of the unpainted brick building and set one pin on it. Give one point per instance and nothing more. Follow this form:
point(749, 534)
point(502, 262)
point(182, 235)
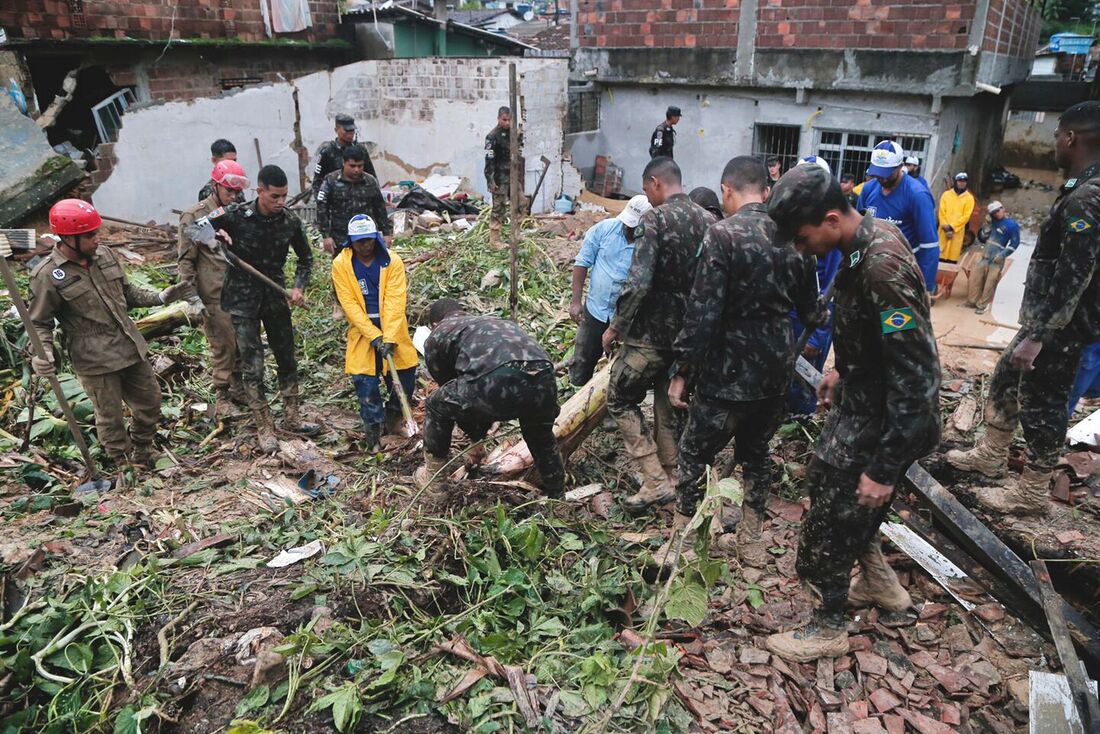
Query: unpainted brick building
point(798, 77)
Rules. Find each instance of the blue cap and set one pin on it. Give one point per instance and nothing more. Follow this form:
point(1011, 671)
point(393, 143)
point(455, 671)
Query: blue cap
point(886, 158)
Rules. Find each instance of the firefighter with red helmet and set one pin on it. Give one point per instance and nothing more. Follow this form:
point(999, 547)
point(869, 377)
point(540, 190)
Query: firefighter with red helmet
point(82, 286)
point(199, 266)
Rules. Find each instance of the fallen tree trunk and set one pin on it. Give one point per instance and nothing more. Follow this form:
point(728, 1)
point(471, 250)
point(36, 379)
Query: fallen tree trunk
point(579, 415)
point(167, 320)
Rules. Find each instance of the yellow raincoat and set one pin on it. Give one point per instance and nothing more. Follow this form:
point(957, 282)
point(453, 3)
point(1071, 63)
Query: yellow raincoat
point(359, 358)
point(955, 209)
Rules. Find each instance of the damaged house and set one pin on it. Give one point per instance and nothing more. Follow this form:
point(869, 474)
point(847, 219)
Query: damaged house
point(143, 81)
point(792, 78)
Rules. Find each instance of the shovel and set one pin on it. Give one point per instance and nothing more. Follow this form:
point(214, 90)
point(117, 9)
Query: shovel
point(94, 483)
point(406, 409)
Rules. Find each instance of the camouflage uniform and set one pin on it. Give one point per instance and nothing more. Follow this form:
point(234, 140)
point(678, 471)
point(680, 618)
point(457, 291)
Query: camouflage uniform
point(330, 157)
point(498, 174)
point(107, 351)
point(1061, 308)
point(736, 348)
point(339, 199)
point(201, 267)
point(648, 316)
point(886, 405)
point(489, 370)
point(206, 191)
point(264, 243)
point(662, 140)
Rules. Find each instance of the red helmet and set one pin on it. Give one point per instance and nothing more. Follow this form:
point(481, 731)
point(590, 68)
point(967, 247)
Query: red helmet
point(74, 216)
point(230, 175)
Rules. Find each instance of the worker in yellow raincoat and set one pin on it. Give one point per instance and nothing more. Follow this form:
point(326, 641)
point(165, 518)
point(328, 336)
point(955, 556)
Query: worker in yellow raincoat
point(370, 285)
point(956, 206)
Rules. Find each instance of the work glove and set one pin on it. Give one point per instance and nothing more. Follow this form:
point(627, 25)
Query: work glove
point(387, 350)
point(376, 345)
point(177, 292)
point(43, 367)
point(198, 306)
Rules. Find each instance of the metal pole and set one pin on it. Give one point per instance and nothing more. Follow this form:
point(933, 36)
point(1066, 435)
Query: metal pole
point(515, 188)
point(40, 352)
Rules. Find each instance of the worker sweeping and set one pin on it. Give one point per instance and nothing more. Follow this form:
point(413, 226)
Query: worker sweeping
point(83, 287)
point(370, 284)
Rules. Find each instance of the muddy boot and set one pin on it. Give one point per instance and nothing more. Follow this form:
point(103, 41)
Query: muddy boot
point(292, 418)
point(750, 547)
point(236, 390)
point(395, 425)
point(372, 442)
point(265, 429)
point(655, 489)
point(1021, 496)
point(821, 638)
point(141, 455)
point(223, 404)
point(877, 584)
point(429, 474)
point(989, 455)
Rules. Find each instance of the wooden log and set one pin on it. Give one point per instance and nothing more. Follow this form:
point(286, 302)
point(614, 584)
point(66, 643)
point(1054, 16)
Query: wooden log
point(167, 320)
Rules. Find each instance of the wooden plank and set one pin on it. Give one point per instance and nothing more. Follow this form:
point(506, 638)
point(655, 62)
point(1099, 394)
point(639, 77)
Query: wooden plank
point(1088, 708)
point(1050, 705)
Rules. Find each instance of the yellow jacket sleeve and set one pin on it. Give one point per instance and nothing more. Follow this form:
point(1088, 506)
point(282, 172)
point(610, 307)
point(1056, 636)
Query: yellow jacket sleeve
point(966, 208)
point(393, 306)
point(351, 298)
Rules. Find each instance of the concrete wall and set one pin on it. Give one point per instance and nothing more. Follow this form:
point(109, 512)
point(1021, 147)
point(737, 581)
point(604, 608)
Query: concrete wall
point(1030, 142)
point(421, 116)
point(718, 124)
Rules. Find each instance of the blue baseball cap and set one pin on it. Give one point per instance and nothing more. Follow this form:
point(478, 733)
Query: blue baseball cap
point(886, 158)
point(361, 227)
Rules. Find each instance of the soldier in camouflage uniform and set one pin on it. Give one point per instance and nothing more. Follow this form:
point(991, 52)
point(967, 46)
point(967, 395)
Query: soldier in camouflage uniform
point(884, 396)
point(498, 172)
point(735, 351)
point(648, 316)
point(261, 233)
point(220, 150)
point(1060, 314)
point(83, 287)
point(330, 154)
point(488, 370)
point(348, 192)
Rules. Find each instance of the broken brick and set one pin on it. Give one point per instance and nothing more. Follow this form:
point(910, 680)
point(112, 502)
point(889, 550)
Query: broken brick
point(872, 664)
point(867, 726)
point(932, 609)
point(951, 681)
point(950, 715)
point(754, 656)
point(1069, 536)
point(859, 642)
point(924, 724)
point(990, 613)
point(894, 724)
point(884, 700)
point(858, 710)
point(921, 659)
point(838, 723)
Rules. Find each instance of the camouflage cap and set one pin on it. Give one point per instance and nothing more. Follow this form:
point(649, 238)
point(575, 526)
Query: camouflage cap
point(798, 192)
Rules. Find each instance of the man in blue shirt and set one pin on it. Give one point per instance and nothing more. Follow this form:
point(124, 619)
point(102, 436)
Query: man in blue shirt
point(607, 250)
point(1001, 238)
point(900, 199)
point(912, 167)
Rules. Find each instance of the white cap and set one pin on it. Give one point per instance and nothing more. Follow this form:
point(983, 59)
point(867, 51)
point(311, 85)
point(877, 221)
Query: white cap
point(813, 160)
point(994, 206)
point(885, 158)
point(361, 227)
point(962, 176)
point(912, 161)
point(635, 208)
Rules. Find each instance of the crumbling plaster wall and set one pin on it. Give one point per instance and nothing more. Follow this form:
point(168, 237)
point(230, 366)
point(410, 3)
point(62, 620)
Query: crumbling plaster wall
point(718, 124)
point(420, 116)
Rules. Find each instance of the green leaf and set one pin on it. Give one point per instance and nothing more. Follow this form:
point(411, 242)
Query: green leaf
point(755, 596)
point(571, 542)
point(345, 704)
point(254, 700)
point(731, 489)
point(687, 600)
point(245, 726)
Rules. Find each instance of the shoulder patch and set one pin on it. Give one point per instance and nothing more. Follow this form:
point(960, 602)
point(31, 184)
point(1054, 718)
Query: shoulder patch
point(1077, 225)
point(897, 319)
point(58, 274)
point(855, 258)
point(639, 230)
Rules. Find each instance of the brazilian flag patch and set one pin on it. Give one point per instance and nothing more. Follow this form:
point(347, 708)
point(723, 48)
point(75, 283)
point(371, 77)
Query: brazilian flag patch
point(897, 319)
point(1079, 225)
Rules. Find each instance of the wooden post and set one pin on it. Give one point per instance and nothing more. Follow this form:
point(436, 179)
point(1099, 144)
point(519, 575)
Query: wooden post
point(515, 187)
